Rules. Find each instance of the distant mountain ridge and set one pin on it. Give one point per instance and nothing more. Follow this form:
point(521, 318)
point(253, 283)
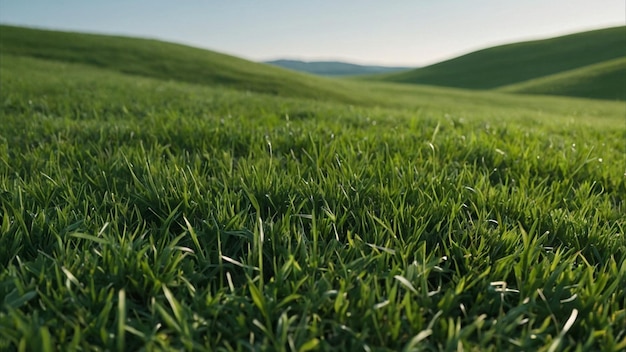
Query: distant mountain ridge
point(334, 68)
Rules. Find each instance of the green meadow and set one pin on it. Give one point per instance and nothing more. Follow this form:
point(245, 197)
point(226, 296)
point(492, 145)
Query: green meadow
point(160, 197)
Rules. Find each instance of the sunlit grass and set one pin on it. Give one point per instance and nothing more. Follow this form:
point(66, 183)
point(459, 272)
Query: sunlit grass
point(138, 213)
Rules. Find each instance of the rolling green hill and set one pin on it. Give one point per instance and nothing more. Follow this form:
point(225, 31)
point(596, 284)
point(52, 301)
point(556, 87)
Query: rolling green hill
point(484, 69)
point(157, 59)
point(513, 63)
point(606, 80)
point(178, 63)
point(334, 68)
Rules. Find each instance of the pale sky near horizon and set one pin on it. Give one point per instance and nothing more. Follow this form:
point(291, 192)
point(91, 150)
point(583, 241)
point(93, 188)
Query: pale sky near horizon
point(395, 33)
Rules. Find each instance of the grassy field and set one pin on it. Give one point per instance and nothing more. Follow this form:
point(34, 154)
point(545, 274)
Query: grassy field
point(520, 62)
point(147, 212)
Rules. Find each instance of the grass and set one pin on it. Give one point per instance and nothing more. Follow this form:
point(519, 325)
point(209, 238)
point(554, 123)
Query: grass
point(514, 63)
point(140, 213)
point(606, 80)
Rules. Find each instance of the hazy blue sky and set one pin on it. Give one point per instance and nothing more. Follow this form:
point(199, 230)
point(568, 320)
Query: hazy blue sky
point(397, 32)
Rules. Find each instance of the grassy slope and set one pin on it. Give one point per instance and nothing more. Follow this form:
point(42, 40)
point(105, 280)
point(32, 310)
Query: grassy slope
point(514, 63)
point(162, 60)
point(155, 214)
point(606, 80)
point(376, 95)
point(175, 62)
point(152, 58)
